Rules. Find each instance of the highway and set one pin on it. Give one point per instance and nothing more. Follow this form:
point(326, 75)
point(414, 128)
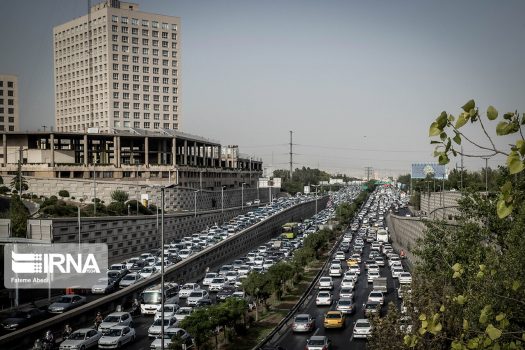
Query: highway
point(340, 338)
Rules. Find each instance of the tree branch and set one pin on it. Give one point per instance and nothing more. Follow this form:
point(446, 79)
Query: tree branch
point(496, 151)
point(486, 134)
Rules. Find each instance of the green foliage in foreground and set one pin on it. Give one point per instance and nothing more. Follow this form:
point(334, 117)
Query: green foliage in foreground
point(469, 285)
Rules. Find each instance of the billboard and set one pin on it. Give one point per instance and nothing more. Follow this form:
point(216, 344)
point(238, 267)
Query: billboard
point(266, 182)
point(306, 189)
point(434, 170)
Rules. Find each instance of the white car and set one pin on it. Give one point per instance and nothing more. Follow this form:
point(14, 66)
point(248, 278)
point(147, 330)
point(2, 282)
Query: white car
point(346, 293)
point(231, 276)
point(195, 296)
point(116, 337)
point(217, 284)
point(115, 319)
point(362, 328)
point(324, 298)
point(168, 335)
point(340, 256)
point(326, 283)
point(208, 278)
point(244, 270)
point(83, 338)
point(267, 264)
point(396, 271)
point(169, 311)
point(185, 253)
point(130, 279)
point(156, 327)
point(335, 270)
point(393, 259)
point(405, 278)
point(348, 282)
point(183, 312)
point(187, 288)
point(372, 275)
point(355, 269)
point(373, 267)
point(376, 295)
point(148, 271)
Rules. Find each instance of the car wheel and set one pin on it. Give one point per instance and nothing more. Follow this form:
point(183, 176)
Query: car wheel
point(82, 347)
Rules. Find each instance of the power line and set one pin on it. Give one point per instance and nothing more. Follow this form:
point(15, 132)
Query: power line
point(361, 149)
point(368, 172)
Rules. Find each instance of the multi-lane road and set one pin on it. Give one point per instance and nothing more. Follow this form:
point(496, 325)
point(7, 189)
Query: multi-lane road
point(340, 338)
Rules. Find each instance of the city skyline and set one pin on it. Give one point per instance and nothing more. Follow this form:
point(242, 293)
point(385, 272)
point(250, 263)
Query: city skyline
point(359, 84)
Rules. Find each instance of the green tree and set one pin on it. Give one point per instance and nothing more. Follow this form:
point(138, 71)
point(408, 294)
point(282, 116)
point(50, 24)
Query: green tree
point(63, 193)
point(119, 196)
point(18, 214)
point(4, 189)
point(258, 286)
point(19, 180)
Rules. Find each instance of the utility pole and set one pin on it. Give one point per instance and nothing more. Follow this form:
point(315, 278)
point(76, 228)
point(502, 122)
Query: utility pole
point(20, 157)
point(368, 172)
point(461, 168)
point(291, 155)
point(94, 184)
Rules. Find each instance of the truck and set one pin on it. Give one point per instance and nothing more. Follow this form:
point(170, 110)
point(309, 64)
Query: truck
point(380, 284)
point(290, 230)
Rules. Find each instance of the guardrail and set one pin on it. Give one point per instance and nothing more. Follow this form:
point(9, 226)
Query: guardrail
point(187, 268)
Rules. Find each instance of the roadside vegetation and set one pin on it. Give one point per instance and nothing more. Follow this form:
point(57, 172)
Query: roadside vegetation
point(468, 288)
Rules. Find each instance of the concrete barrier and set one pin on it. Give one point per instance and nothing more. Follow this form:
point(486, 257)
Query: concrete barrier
point(185, 270)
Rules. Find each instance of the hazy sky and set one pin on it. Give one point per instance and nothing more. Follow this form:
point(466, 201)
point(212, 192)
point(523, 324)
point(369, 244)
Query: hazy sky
point(358, 82)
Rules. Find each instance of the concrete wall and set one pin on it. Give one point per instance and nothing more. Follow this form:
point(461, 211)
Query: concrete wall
point(128, 236)
point(404, 232)
point(440, 205)
point(178, 198)
point(183, 271)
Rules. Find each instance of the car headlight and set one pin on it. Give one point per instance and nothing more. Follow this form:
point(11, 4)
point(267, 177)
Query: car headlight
point(12, 325)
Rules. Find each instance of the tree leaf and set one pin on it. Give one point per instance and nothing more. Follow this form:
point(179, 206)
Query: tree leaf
point(456, 274)
point(514, 163)
point(500, 316)
point(516, 285)
point(443, 159)
point(422, 317)
point(469, 105)
point(434, 130)
point(462, 120)
point(465, 324)
point(520, 145)
point(457, 139)
point(442, 120)
point(442, 308)
point(460, 299)
point(436, 328)
point(492, 113)
point(493, 332)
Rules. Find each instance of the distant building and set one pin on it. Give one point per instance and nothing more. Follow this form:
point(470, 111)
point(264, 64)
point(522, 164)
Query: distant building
point(117, 67)
point(9, 113)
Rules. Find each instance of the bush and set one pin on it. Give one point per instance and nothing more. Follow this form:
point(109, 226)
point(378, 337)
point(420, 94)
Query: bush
point(142, 209)
point(4, 189)
point(117, 208)
point(119, 196)
point(63, 193)
point(18, 214)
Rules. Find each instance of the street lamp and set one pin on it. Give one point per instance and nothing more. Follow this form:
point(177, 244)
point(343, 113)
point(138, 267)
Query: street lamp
point(195, 202)
point(162, 190)
point(222, 199)
point(242, 195)
point(316, 186)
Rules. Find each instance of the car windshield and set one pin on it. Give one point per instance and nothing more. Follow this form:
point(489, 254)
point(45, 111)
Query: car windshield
point(195, 294)
point(362, 324)
point(301, 319)
point(112, 318)
point(316, 342)
point(147, 269)
point(345, 302)
point(333, 315)
point(159, 321)
point(151, 297)
point(114, 332)
point(218, 280)
point(376, 295)
point(169, 308)
point(77, 336)
point(324, 295)
point(183, 312)
point(64, 300)
point(129, 278)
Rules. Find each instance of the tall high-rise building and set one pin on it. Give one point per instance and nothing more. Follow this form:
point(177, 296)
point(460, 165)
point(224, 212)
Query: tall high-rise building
point(117, 67)
point(9, 120)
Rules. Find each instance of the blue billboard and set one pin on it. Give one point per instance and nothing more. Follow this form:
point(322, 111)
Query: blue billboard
point(434, 170)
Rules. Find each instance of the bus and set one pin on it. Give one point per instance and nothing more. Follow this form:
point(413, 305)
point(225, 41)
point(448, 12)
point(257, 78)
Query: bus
point(151, 298)
point(290, 230)
point(382, 235)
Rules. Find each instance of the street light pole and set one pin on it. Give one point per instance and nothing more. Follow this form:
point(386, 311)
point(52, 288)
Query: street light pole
point(242, 195)
point(162, 191)
point(222, 199)
point(94, 185)
point(195, 202)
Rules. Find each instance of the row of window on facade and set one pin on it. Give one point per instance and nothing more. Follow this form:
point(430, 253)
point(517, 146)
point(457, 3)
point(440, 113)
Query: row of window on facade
point(10, 128)
point(9, 119)
point(10, 93)
point(9, 110)
point(82, 27)
point(10, 84)
point(145, 115)
point(145, 106)
point(145, 42)
point(10, 102)
point(145, 125)
point(144, 23)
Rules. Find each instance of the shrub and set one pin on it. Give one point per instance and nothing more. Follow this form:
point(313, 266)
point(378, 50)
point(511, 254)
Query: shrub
point(119, 196)
point(63, 193)
point(4, 189)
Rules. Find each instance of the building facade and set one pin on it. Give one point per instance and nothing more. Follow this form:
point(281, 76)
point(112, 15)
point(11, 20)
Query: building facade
point(117, 67)
point(9, 113)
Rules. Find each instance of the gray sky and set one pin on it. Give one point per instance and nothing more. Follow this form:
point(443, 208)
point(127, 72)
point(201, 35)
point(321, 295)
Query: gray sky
point(358, 82)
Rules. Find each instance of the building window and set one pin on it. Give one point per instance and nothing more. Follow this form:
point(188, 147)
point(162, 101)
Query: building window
point(154, 33)
point(156, 116)
point(136, 124)
point(164, 35)
point(134, 22)
point(124, 20)
point(126, 115)
point(145, 32)
point(146, 125)
point(165, 26)
point(146, 115)
point(136, 106)
point(145, 23)
point(114, 19)
point(166, 126)
point(156, 125)
point(115, 56)
point(134, 31)
point(11, 111)
point(11, 128)
point(136, 115)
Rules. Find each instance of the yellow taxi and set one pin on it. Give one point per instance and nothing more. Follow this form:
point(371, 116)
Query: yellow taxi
point(334, 319)
point(352, 262)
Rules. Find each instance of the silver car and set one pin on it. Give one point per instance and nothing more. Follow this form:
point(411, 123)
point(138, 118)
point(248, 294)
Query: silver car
point(83, 338)
point(66, 303)
point(303, 323)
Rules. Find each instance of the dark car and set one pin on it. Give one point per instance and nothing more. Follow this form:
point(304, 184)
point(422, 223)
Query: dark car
point(225, 292)
point(204, 302)
point(23, 318)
